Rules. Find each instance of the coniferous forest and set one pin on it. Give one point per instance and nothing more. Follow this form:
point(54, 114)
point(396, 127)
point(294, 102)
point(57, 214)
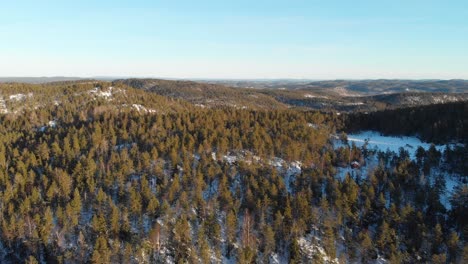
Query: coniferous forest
point(96, 174)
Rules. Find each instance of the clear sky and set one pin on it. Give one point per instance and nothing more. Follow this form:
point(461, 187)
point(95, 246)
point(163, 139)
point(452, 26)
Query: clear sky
point(311, 39)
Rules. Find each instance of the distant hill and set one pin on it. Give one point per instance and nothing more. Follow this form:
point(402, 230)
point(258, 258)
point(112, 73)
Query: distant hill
point(86, 97)
point(397, 86)
point(327, 95)
point(345, 96)
point(205, 94)
point(361, 87)
point(42, 80)
point(345, 100)
point(38, 80)
point(357, 86)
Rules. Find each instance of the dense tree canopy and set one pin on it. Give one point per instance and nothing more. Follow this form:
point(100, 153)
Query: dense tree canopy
point(93, 178)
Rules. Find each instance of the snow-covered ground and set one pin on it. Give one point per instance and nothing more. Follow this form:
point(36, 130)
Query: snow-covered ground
point(451, 181)
point(311, 247)
point(19, 97)
point(434, 99)
point(315, 96)
point(105, 93)
point(355, 103)
point(289, 170)
point(50, 124)
point(376, 140)
point(141, 108)
point(3, 108)
point(314, 126)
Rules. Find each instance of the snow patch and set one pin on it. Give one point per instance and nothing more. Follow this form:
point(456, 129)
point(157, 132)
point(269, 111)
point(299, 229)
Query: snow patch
point(376, 140)
point(294, 169)
point(311, 249)
point(444, 99)
point(314, 126)
point(342, 91)
point(50, 124)
point(315, 96)
point(20, 96)
point(274, 259)
point(413, 99)
point(100, 93)
point(125, 145)
point(276, 162)
point(451, 182)
point(230, 159)
point(139, 107)
point(3, 108)
point(355, 103)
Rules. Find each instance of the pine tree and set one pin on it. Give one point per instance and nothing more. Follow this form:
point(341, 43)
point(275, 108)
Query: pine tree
point(203, 246)
point(101, 253)
point(182, 239)
point(269, 242)
point(453, 246)
point(231, 227)
point(47, 225)
point(365, 246)
point(32, 260)
point(294, 252)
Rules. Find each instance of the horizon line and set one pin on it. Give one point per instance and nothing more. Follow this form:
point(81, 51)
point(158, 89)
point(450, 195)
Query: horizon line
point(228, 78)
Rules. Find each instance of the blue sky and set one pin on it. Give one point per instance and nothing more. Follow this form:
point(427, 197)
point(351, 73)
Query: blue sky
point(235, 39)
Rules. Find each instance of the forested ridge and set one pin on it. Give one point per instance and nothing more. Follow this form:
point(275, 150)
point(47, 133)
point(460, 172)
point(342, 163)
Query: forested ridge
point(97, 174)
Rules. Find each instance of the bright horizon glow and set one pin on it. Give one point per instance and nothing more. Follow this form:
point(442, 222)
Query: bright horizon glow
point(296, 39)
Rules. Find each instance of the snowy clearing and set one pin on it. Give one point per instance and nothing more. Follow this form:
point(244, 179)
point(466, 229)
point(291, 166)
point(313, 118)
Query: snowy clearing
point(383, 143)
point(376, 141)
